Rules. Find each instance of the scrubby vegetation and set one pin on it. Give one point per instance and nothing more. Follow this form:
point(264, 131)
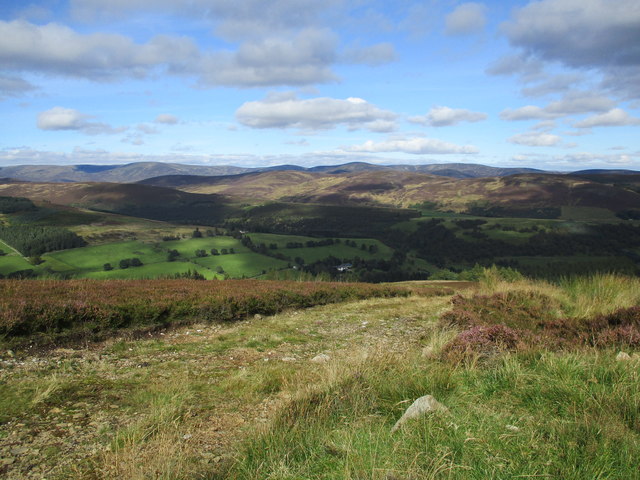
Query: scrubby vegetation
point(53, 311)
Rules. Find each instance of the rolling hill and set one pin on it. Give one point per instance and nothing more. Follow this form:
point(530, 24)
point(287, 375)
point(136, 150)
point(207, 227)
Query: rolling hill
point(394, 188)
point(134, 172)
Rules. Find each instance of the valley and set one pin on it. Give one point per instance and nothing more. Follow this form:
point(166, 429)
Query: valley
point(386, 223)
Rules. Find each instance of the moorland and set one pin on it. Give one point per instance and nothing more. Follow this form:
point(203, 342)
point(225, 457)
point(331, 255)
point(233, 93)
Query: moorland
point(276, 323)
point(388, 224)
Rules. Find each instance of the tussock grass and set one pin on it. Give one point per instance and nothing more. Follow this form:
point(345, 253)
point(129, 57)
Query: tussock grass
point(550, 415)
point(528, 413)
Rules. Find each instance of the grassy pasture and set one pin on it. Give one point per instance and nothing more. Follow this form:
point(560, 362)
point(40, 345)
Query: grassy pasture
point(247, 264)
point(188, 246)
point(13, 262)
point(94, 257)
point(153, 270)
point(313, 254)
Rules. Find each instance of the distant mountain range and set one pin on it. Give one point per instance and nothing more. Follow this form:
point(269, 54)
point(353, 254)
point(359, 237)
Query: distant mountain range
point(135, 172)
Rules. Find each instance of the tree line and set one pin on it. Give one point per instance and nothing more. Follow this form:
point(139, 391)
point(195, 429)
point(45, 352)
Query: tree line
point(32, 240)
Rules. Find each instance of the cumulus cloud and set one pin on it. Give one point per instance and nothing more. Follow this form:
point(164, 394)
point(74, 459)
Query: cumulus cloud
point(613, 118)
point(536, 139)
point(166, 118)
point(446, 116)
point(465, 19)
point(288, 111)
point(301, 59)
point(416, 146)
point(54, 48)
point(571, 104)
point(60, 118)
point(582, 33)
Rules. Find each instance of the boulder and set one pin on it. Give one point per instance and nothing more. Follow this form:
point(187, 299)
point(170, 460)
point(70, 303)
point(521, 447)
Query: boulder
point(419, 408)
point(321, 358)
point(623, 357)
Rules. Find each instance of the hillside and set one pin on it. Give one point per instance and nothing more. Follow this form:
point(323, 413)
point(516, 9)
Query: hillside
point(315, 393)
point(127, 199)
point(403, 189)
point(134, 172)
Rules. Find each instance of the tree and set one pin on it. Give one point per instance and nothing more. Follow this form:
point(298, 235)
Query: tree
point(172, 255)
point(201, 253)
point(135, 262)
point(214, 251)
point(124, 263)
point(224, 251)
point(196, 233)
point(106, 267)
point(231, 251)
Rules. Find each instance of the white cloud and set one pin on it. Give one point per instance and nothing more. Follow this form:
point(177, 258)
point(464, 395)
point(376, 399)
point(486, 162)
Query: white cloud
point(578, 161)
point(287, 111)
point(613, 118)
point(583, 33)
point(528, 112)
point(465, 19)
point(301, 59)
point(166, 118)
point(416, 146)
point(446, 116)
point(54, 48)
point(536, 139)
point(571, 104)
point(597, 34)
point(60, 118)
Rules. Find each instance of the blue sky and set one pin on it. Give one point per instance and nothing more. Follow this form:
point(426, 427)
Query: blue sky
point(551, 84)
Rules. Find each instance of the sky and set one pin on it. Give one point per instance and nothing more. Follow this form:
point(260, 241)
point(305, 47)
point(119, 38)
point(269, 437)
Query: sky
point(551, 84)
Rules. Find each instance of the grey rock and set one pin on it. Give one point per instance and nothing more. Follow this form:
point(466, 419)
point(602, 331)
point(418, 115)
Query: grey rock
point(419, 408)
point(321, 358)
point(623, 357)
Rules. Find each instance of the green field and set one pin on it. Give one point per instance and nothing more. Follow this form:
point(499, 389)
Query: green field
point(12, 261)
point(94, 257)
point(313, 254)
point(187, 247)
point(89, 261)
point(236, 265)
point(153, 270)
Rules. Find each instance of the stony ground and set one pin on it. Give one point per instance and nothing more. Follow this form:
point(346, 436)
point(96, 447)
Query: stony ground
point(176, 404)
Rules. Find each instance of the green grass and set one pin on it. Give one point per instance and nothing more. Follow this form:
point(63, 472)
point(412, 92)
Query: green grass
point(238, 264)
point(560, 406)
point(313, 254)
point(187, 247)
point(12, 261)
point(94, 257)
point(154, 270)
